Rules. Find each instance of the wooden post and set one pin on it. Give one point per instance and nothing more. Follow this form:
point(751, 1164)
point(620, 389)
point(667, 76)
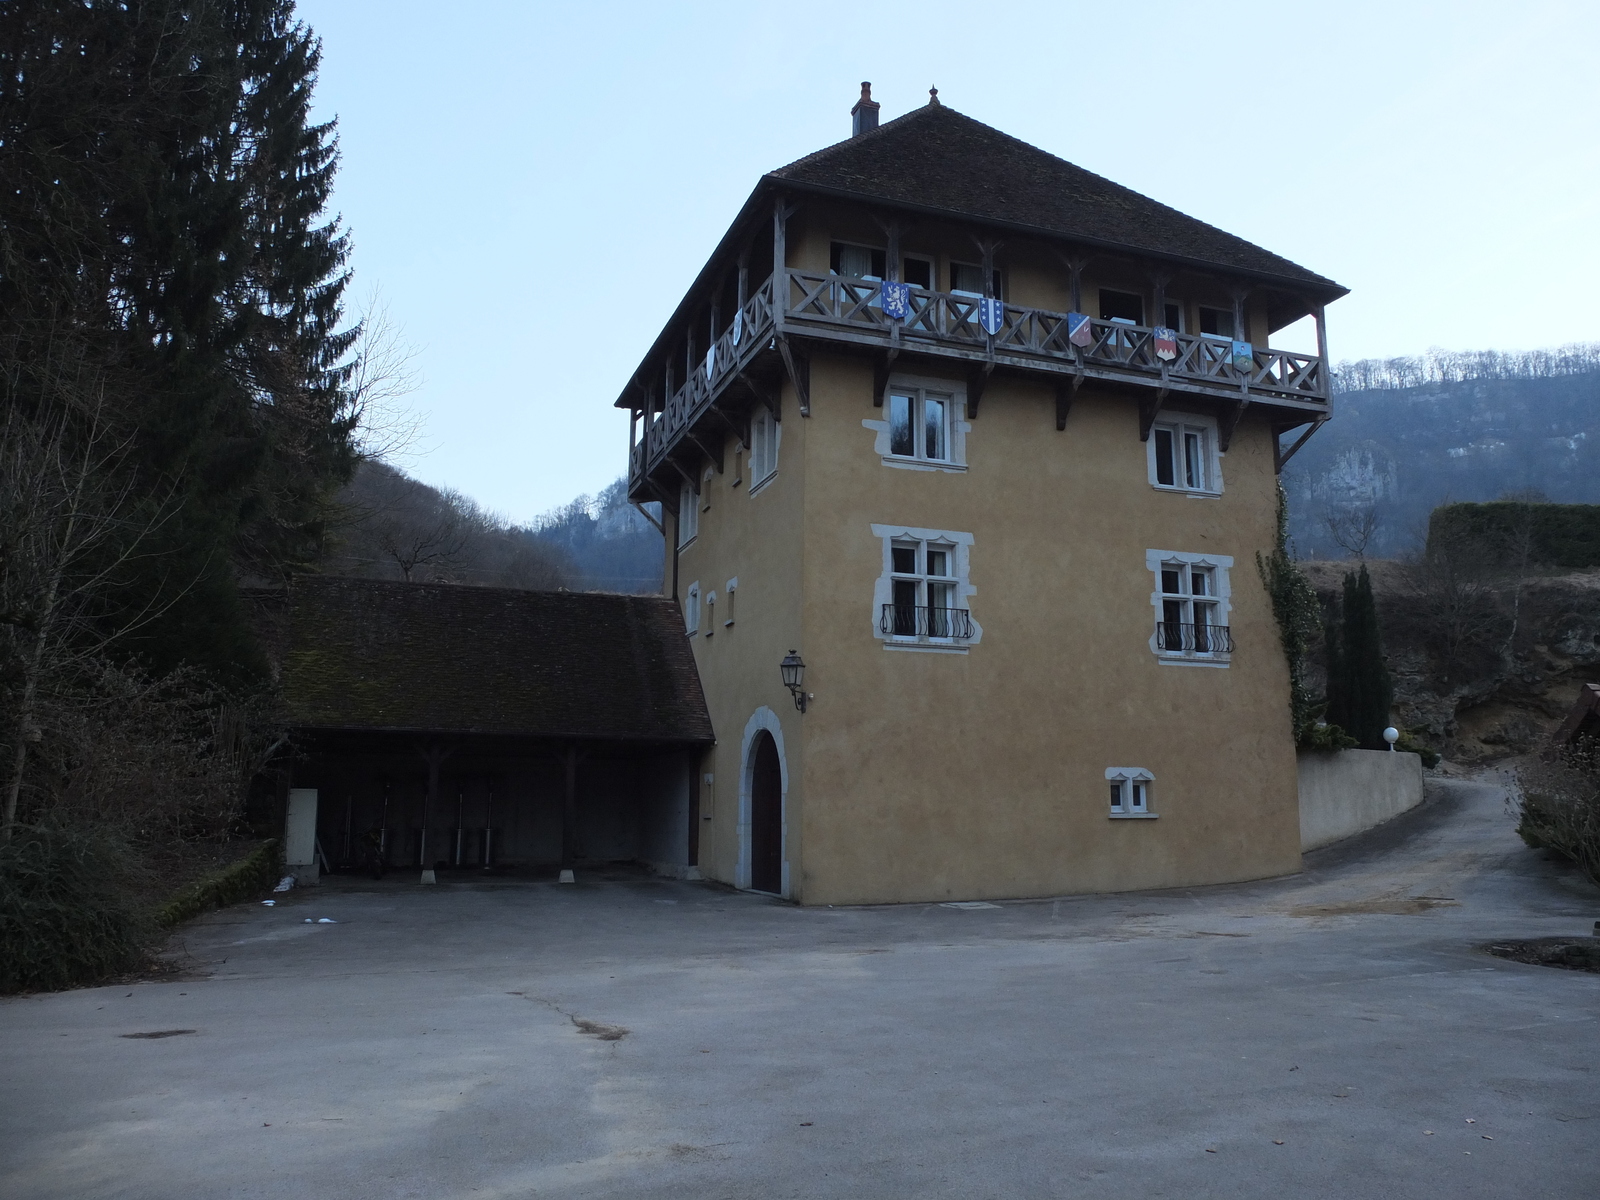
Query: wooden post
point(1323, 378)
point(744, 278)
point(570, 849)
point(1240, 333)
point(1159, 317)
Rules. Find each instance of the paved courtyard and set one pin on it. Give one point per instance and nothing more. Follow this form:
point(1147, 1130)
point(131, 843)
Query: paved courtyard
point(1332, 1034)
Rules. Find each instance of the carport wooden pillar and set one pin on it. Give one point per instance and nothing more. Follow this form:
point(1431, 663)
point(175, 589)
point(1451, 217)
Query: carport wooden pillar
point(434, 755)
point(571, 847)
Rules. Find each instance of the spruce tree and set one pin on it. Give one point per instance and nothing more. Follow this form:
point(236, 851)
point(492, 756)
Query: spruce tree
point(165, 258)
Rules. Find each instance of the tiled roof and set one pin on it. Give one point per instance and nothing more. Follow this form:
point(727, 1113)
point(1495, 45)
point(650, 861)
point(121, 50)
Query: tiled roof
point(361, 654)
point(939, 160)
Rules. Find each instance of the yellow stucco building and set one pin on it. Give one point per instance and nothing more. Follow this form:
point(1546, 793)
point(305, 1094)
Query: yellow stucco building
point(990, 444)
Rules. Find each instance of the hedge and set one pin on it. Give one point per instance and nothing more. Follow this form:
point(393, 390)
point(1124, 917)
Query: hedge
point(253, 874)
point(1563, 535)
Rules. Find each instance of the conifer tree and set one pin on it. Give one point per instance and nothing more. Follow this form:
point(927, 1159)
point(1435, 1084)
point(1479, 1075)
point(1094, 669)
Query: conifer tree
point(1359, 689)
point(165, 257)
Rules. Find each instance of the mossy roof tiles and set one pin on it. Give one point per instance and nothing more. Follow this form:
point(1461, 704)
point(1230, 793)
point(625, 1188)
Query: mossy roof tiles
point(940, 160)
point(360, 654)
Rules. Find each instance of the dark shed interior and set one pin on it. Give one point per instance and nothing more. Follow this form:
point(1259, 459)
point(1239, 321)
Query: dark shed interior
point(445, 726)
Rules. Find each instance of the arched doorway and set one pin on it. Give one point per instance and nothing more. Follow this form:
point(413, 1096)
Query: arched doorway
point(766, 815)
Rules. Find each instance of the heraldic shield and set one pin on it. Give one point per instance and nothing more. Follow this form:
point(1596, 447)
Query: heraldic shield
point(738, 326)
point(1079, 331)
point(1244, 357)
point(991, 315)
point(1166, 341)
point(896, 300)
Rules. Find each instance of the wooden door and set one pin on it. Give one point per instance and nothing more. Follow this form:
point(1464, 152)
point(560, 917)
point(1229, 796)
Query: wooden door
point(766, 817)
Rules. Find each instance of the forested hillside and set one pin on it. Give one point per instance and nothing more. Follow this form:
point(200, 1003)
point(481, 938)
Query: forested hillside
point(1413, 433)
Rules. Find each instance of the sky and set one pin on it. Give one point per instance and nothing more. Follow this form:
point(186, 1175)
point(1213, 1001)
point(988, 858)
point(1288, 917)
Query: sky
point(530, 187)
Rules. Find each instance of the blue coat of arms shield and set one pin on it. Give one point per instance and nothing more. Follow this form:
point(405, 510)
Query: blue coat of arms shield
point(991, 315)
point(1244, 358)
point(738, 326)
point(896, 300)
point(1079, 331)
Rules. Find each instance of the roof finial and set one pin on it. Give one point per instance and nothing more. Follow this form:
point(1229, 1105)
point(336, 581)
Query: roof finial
point(933, 97)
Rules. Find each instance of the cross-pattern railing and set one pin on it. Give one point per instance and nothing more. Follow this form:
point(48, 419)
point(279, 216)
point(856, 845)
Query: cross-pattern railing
point(850, 309)
point(947, 320)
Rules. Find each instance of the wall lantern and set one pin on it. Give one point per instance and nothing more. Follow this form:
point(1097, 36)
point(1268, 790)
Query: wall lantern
point(793, 670)
point(1391, 735)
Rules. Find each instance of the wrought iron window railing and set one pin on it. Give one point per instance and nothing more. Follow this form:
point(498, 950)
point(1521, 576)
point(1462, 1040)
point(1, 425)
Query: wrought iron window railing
point(1176, 637)
point(921, 621)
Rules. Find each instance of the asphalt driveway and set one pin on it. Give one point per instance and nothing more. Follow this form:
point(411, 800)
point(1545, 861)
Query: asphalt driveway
point(1333, 1034)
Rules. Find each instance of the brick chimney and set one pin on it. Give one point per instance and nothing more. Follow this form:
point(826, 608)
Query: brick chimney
point(864, 116)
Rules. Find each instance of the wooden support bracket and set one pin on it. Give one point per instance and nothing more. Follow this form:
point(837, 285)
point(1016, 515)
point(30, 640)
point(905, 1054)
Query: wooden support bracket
point(772, 398)
point(711, 447)
point(798, 365)
point(1066, 391)
point(688, 476)
point(1229, 423)
point(977, 380)
point(1280, 456)
point(732, 427)
point(881, 367)
point(1148, 410)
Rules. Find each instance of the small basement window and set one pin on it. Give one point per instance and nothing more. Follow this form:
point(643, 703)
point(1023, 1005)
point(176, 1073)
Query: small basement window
point(1130, 791)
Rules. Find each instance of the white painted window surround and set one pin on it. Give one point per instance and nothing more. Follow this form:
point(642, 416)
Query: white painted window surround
point(691, 609)
point(732, 588)
point(1130, 793)
point(1216, 601)
point(918, 390)
point(765, 437)
point(957, 547)
point(1181, 455)
point(688, 516)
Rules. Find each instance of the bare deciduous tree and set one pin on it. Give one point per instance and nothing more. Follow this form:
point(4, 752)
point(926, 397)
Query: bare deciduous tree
point(1354, 528)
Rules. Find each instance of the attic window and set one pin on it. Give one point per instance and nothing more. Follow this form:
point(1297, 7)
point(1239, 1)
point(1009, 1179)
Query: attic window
point(1125, 308)
point(1218, 322)
point(860, 262)
point(966, 279)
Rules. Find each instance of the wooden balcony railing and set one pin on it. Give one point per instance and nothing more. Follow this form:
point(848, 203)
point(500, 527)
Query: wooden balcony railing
point(938, 324)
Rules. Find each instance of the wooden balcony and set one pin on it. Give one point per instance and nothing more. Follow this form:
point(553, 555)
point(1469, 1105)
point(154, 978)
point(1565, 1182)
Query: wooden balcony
point(793, 309)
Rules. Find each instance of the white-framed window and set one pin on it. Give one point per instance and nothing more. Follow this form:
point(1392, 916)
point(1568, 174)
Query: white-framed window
point(917, 271)
point(732, 588)
point(919, 423)
point(1123, 308)
point(691, 609)
point(1182, 455)
point(1192, 599)
point(920, 601)
point(1216, 322)
point(688, 516)
point(1130, 789)
point(966, 279)
point(859, 262)
point(924, 426)
point(764, 434)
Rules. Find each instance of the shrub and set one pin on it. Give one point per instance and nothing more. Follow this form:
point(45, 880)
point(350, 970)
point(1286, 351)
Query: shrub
point(1559, 804)
point(257, 872)
point(68, 909)
point(1559, 535)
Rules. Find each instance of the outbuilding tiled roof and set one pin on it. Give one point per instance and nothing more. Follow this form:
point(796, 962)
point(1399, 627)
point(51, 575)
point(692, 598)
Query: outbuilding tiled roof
point(939, 160)
point(361, 654)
